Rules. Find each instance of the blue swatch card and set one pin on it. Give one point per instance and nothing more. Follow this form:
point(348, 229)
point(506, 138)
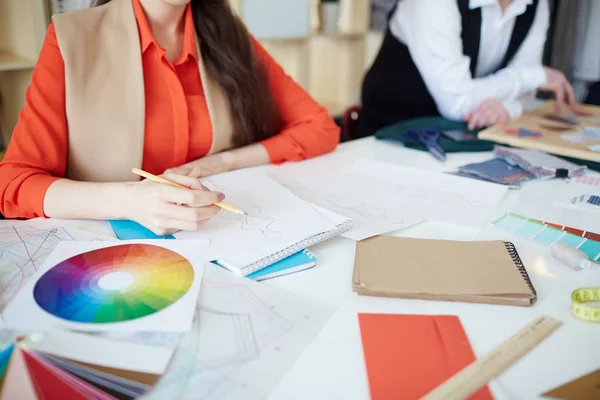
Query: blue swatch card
point(130, 230)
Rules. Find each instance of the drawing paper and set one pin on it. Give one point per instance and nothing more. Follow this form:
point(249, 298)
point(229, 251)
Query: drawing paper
point(24, 245)
point(245, 338)
point(275, 217)
point(413, 354)
point(382, 197)
point(113, 286)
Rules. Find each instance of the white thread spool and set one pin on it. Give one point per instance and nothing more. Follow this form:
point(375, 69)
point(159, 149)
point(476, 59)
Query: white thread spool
point(570, 256)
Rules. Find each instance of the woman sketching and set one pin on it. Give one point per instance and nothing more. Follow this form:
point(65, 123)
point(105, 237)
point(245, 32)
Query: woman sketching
point(169, 86)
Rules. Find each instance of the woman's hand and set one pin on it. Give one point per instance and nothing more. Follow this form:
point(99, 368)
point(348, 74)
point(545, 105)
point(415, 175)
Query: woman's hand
point(557, 83)
point(206, 166)
point(165, 209)
point(490, 112)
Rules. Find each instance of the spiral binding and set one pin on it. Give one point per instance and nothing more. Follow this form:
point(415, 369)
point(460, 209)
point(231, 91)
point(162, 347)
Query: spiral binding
point(293, 249)
point(519, 264)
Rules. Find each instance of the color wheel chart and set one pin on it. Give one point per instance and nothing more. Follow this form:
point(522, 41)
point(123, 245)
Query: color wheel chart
point(548, 234)
point(114, 284)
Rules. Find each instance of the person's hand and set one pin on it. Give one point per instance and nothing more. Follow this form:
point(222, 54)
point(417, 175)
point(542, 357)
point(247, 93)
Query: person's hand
point(490, 112)
point(206, 166)
point(557, 83)
point(166, 209)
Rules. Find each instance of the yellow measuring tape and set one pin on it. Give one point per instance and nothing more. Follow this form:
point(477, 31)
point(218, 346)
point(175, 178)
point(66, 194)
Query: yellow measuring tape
point(580, 308)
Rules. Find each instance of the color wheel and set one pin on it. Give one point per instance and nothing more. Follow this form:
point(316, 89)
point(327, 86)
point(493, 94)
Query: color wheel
point(114, 284)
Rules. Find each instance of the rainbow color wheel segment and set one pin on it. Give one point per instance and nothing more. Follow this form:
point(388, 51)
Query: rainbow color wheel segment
point(114, 284)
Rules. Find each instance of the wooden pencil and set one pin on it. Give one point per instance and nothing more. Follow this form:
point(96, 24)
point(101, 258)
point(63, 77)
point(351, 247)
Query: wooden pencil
point(160, 179)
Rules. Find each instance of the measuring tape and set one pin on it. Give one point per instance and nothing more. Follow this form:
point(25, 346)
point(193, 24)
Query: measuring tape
point(583, 311)
point(481, 371)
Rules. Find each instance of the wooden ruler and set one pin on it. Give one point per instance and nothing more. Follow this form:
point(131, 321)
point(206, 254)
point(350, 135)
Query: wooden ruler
point(480, 372)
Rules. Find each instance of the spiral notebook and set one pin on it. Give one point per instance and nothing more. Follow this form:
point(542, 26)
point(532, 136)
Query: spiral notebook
point(245, 264)
point(474, 272)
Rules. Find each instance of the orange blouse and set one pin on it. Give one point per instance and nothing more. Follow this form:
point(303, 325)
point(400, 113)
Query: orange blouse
point(178, 127)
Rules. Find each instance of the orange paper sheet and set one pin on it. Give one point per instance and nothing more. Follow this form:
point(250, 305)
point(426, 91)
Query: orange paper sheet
point(407, 356)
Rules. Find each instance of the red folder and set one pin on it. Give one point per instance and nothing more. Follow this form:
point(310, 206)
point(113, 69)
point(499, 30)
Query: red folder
point(407, 356)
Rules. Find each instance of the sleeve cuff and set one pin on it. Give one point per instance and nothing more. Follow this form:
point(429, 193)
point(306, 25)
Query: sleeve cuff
point(533, 78)
point(35, 188)
point(514, 108)
point(281, 149)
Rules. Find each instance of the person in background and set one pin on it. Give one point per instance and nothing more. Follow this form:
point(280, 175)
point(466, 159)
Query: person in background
point(473, 60)
point(170, 86)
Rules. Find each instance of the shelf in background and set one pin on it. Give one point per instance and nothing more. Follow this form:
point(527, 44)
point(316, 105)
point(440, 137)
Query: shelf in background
point(11, 62)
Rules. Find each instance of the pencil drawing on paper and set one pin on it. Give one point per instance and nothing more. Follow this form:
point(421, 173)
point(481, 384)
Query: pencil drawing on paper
point(342, 204)
point(408, 193)
point(223, 345)
point(255, 220)
point(22, 251)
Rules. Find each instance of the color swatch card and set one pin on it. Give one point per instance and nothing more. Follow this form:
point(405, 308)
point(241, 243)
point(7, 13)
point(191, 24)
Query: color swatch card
point(382, 197)
point(125, 286)
point(407, 356)
point(548, 234)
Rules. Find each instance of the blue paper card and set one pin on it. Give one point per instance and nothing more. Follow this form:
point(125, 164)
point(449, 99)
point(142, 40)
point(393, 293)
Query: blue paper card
point(130, 230)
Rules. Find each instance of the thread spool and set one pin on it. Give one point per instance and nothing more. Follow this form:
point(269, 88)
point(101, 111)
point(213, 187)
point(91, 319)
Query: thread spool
point(570, 256)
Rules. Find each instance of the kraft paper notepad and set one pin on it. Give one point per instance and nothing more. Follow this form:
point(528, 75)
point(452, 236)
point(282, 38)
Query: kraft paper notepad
point(585, 388)
point(474, 272)
point(407, 356)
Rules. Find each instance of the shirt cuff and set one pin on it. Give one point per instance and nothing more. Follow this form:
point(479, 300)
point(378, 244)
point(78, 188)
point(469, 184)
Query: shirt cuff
point(281, 149)
point(514, 108)
point(533, 78)
point(34, 190)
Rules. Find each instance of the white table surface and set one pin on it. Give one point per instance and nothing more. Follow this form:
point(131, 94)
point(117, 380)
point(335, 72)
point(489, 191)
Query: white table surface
point(332, 367)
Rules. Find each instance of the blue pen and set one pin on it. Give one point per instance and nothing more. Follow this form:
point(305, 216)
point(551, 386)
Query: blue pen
point(428, 138)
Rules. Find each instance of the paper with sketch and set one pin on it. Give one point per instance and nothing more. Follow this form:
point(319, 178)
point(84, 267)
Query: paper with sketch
point(24, 245)
point(382, 197)
point(275, 217)
point(142, 285)
point(245, 338)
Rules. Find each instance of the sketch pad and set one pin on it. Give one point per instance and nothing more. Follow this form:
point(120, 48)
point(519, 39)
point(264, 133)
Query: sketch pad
point(246, 264)
point(473, 272)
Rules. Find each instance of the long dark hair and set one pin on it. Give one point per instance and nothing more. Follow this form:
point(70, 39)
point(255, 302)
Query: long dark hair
point(228, 54)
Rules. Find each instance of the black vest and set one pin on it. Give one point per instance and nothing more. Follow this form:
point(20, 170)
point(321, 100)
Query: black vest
point(393, 89)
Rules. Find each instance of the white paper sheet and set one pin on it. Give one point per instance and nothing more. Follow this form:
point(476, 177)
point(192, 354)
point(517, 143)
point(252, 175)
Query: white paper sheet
point(25, 312)
point(576, 196)
point(276, 216)
point(24, 245)
point(245, 338)
point(381, 197)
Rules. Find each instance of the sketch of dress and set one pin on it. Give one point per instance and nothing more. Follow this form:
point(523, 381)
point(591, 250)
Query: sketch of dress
point(255, 220)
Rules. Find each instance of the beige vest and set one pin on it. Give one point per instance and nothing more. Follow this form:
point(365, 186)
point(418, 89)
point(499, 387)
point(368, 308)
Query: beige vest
point(105, 105)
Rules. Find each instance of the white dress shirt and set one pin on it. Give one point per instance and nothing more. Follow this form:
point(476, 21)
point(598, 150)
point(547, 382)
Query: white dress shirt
point(431, 29)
